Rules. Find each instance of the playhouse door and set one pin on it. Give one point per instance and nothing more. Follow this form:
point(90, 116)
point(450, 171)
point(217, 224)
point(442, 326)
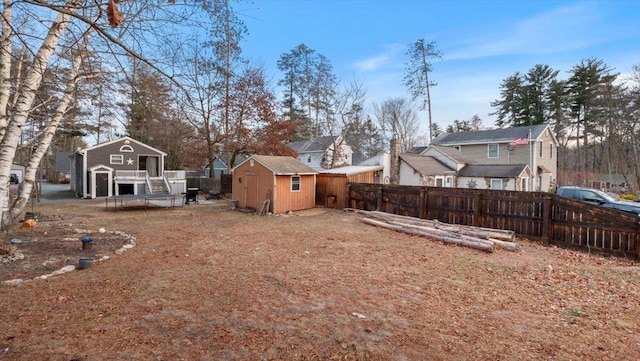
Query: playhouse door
point(102, 184)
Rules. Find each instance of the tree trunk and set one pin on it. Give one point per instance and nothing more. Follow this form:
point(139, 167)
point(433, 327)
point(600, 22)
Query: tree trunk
point(21, 112)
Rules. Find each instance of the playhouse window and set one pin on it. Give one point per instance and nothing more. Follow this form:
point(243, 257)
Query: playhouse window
point(117, 159)
point(295, 183)
point(126, 148)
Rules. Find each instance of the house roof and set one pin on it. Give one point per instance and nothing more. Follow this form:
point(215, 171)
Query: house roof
point(503, 135)
point(123, 140)
point(217, 160)
point(425, 165)
point(318, 144)
point(453, 153)
point(418, 149)
point(352, 169)
point(281, 165)
point(492, 170)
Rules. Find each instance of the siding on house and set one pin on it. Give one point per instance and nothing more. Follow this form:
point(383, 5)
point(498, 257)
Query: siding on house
point(540, 153)
point(101, 154)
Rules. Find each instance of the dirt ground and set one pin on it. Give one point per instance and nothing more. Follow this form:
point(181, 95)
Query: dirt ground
point(207, 283)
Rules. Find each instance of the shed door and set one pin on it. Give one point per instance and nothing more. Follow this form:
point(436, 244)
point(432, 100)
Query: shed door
point(251, 190)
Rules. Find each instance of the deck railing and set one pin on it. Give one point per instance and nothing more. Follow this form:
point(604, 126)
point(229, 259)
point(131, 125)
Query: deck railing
point(131, 174)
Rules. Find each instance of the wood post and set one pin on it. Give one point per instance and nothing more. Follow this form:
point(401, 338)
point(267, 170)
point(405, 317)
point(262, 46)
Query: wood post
point(477, 221)
point(379, 199)
point(546, 220)
point(422, 212)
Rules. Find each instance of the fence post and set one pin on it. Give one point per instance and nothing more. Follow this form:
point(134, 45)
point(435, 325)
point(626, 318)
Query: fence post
point(349, 196)
point(546, 219)
point(379, 199)
point(476, 211)
point(422, 212)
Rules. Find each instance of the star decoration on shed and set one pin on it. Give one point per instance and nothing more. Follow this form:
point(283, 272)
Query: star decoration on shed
point(129, 161)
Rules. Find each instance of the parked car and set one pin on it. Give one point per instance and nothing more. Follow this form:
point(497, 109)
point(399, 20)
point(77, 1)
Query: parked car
point(599, 198)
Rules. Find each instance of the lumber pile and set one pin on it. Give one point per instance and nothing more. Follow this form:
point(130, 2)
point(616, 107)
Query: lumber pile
point(484, 239)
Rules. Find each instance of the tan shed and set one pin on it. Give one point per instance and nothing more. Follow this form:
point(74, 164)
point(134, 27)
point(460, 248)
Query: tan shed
point(286, 182)
point(331, 189)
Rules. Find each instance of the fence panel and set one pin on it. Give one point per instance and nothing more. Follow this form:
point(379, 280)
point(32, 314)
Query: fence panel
point(536, 215)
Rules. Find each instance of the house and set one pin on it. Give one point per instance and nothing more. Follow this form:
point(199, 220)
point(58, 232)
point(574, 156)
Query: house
point(123, 166)
point(535, 146)
point(219, 168)
point(287, 183)
point(62, 167)
point(512, 177)
point(383, 160)
point(323, 152)
point(331, 184)
point(422, 170)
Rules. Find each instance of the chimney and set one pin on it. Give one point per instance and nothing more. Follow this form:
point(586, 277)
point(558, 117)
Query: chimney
point(396, 145)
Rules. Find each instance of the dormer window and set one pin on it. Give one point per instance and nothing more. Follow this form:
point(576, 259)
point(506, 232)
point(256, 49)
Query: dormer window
point(126, 148)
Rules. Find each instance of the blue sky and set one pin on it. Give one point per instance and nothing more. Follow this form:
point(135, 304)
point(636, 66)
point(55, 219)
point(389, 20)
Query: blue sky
point(482, 42)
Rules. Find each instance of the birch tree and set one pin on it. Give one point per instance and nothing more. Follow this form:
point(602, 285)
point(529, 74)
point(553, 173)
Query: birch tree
point(48, 30)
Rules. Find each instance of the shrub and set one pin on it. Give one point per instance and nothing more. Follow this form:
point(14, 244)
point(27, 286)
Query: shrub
point(628, 197)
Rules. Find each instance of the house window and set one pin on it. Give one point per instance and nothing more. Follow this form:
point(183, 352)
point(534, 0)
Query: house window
point(457, 147)
point(251, 163)
point(439, 181)
point(492, 151)
point(496, 184)
point(550, 150)
point(295, 183)
point(309, 159)
point(541, 149)
point(116, 159)
point(448, 181)
point(523, 184)
point(126, 148)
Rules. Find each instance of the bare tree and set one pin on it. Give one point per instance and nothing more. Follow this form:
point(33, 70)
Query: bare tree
point(397, 118)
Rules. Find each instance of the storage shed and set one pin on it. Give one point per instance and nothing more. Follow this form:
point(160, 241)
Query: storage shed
point(331, 188)
point(286, 182)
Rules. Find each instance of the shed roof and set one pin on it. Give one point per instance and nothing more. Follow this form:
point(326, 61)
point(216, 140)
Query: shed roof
point(425, 165)
point(353, 169)
point(492, 170)
point(503, 135)
point(281, 165)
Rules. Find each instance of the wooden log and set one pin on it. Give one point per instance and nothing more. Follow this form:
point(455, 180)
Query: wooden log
point(511, 246)
point(483, 246)
point(441, 229)
point(503, 235)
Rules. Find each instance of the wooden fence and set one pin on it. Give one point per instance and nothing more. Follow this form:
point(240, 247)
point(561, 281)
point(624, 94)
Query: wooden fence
point(541, 216)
